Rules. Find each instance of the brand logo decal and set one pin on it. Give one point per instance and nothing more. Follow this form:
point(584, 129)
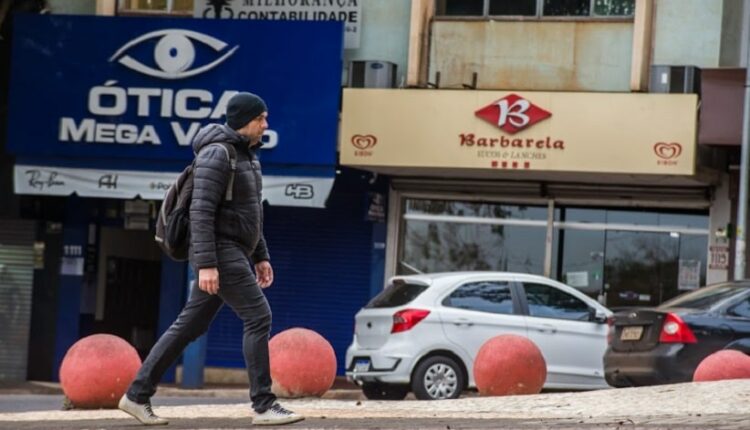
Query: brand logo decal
point(174, 53)
point(299, 191)
point(512, 113)
point(364, 142)
point(667, 151)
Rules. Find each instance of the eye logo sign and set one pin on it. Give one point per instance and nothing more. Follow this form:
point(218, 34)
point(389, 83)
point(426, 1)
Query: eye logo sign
point(364, 142)
point(174, 53)
point(667, 151)
point(512, 113)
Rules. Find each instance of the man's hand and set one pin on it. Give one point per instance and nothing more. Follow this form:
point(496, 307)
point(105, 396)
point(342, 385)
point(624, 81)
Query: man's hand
point(208, 280)
point(264, 273)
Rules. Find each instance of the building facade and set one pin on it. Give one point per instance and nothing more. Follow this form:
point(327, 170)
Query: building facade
point(95, 134)
point(594, 142)
point(568, 139)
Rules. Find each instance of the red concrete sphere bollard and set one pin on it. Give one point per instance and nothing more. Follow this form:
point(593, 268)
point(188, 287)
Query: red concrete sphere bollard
point(303, 363)
point(508, 365)
point(724, 364)
point(97, 370)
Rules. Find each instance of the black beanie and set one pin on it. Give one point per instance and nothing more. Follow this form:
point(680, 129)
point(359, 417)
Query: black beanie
point(243, 108)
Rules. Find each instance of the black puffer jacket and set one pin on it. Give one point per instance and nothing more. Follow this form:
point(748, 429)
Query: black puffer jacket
point(213, 219)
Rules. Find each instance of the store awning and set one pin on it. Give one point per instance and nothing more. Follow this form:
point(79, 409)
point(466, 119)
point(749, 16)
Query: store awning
point(305, 191)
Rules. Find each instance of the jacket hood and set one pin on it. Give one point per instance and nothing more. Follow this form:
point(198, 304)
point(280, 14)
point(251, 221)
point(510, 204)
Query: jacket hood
point(213, 133)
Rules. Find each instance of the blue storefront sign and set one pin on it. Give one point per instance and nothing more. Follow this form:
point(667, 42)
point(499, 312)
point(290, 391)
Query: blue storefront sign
point(128, 94)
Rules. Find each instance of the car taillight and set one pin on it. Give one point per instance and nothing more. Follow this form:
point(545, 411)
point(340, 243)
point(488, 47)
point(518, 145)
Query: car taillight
point(610, 329)
point(406, 319)
point(675, 330)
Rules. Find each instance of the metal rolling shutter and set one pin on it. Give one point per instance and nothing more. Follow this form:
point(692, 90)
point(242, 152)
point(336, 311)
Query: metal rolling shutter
point(321, 261)
point(16, 279)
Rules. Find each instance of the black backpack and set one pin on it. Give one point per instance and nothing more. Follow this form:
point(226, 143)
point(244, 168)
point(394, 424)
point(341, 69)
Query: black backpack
point(173, 222)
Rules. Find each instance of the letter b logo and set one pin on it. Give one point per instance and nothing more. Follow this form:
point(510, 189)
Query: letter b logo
point(512, 113)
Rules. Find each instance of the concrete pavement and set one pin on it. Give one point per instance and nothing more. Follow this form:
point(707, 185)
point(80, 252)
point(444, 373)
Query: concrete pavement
point(715, 405)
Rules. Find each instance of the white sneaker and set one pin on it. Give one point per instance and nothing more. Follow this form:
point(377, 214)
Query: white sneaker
point(141, 412)
point(276, 415)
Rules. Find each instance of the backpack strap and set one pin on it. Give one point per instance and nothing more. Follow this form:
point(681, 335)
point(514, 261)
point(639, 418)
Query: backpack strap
point(232, 155)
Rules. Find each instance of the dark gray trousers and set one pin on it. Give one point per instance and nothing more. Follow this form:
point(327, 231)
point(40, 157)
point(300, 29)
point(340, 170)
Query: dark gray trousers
point(238, 289)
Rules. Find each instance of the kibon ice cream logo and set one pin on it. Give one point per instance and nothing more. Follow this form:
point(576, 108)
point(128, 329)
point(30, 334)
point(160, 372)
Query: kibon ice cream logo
point(363, 144)
point(512, 113)
point(667, 153)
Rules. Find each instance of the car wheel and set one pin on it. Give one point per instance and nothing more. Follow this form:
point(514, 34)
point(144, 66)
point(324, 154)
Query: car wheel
point(379, 391)
point(438, 378)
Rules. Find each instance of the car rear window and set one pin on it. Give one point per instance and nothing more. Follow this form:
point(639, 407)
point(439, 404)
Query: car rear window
point(704, 298)
point(399, 293)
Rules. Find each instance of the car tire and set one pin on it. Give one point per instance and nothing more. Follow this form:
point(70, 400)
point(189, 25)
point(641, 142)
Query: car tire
point(380, 391)
point(438, 377)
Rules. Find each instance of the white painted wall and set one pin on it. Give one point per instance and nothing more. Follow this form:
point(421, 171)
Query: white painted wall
point(384, 37)
point(687, 32)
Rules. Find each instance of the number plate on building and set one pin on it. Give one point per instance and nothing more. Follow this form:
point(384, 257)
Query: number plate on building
point(631, 333)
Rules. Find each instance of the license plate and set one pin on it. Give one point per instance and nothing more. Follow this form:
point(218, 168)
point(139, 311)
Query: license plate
point(632, 333)
point(362, 365)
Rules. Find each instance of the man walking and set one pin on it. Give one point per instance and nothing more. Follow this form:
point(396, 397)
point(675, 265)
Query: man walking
point(224, 232)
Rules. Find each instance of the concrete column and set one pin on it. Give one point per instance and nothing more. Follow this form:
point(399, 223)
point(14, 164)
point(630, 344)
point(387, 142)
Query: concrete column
point(720, 216)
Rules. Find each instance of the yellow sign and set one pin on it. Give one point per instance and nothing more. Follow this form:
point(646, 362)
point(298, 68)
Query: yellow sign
point(531, 131)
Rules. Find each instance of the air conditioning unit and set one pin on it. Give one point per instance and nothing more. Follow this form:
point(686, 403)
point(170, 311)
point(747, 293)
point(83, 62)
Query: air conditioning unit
point(372, 74)
point(675, 79)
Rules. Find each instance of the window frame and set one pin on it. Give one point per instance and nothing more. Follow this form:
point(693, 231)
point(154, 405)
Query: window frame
point(129, 8)
point(517, 307)
point(539, 16)
point(734, 303)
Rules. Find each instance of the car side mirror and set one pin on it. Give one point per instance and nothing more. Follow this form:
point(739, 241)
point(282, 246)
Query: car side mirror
point(597, 316)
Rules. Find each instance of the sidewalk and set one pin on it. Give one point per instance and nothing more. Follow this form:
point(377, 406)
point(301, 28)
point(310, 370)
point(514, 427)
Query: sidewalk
point(341, 390)
point(724, 404)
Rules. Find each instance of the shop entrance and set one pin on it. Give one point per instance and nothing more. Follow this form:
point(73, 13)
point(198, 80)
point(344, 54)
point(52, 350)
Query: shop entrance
point(621, 257)
point(128, 286)
point(640, 268)
point(132, 304)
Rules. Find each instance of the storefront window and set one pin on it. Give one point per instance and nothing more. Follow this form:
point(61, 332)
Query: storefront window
point(434, 243)
point(476, 209)
point(631, 257)
point(635, 217)
point(582, 264)
point(622, 257)
point(439, 247)
point(639, 267)
point(584, 215)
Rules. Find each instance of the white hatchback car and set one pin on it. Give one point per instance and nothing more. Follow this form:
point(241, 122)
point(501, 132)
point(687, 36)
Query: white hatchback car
point(423, 332)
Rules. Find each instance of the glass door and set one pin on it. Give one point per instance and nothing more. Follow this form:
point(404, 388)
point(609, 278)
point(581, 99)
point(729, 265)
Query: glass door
point(639, 267)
